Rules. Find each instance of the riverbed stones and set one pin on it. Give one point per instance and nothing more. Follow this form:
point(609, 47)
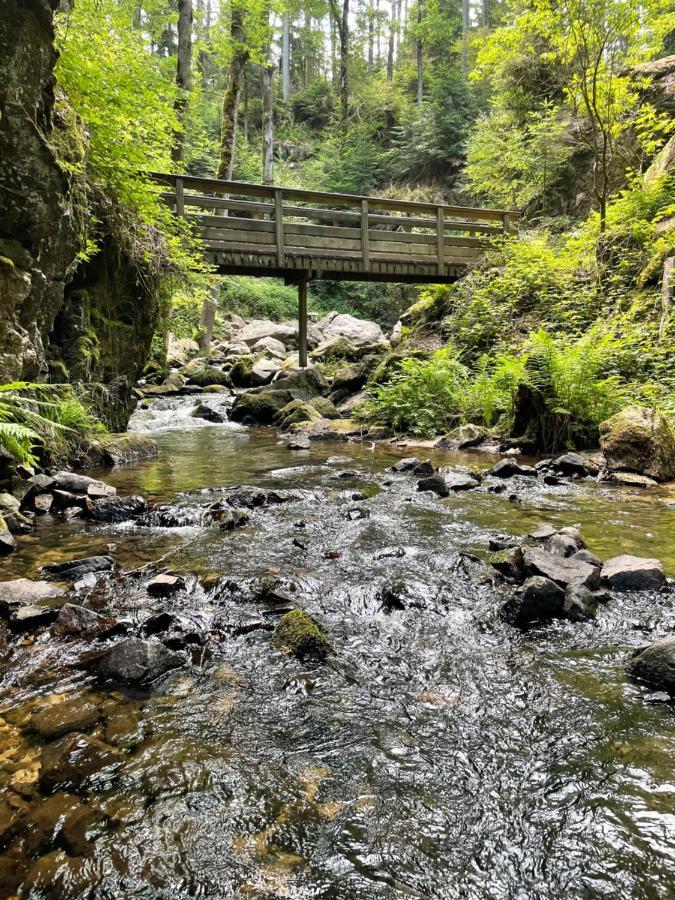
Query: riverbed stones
point(298, 442)
point(358, 331)
point(207, 413)
point(570, 464)
point(407, 464)
point(540, 598)
point(641, 440)
point(263, 371)
point(24, 591)
point(563, 571)
point(56, 719)
point(633, 573)
point(460, 481)
point(164, 585)
point(259, 408)
point(120, 449)
point(7, 539)
point(508, 468)
point(434, 483)
point(655, 664)
point(300, 634)
point(70, 762)
point(74, 483)
point(271, 346)
point(135, 661)
point(115, 509)
point(580, 604)
point(76, 568)
point(75, 620)
point(463, 437)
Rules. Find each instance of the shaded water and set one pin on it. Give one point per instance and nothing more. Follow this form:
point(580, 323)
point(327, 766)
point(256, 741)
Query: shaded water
point(437, 753)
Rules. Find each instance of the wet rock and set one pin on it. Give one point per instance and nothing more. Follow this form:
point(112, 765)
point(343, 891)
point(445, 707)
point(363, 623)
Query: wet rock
point(32, 616)
point(70, 763)
point(76, 568)
point(260, 408)
point(641, 440)
point(408, 464)
point(457, 481)
point(539, 598)
point(398, 595)
point(57, 719)
point(41, 824)
point(226, 517)
point(509, 562)
point(81, 828)
point(202, 411)
point(354, 513)
point(115, 509)
point(543, 532)
point(164, 585)
point(424, 468)
point(633, 573)
point(562, 545)
point(562, 571)
point(121, 449)
point(263, 371)
point(74, 620)
point(552, 480)
point(435, 483)
point(165, 516)
point(507, 468)
point(300, 634)
point(655, 664)
point(100, 491)
point(42, 504)
point(463, 437)
point(135, 661)
point(588, 557)
point(298, 442)
point(255, 498)
point(7, 539)
point(570, 464)
point(65, 501)
point(580, 603)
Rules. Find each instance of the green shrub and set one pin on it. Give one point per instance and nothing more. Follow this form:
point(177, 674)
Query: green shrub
point(258, 298)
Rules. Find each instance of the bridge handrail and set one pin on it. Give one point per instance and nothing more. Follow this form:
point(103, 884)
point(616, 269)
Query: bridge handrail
point(243, 188)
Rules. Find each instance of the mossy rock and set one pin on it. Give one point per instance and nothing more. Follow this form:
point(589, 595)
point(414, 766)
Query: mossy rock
point(295, 412)
point(298, 633)
point(260, 407)
point(336, 348)
point(325, 408)
point(391, 365)
point(639, 439)
point(240, 372)
point(209, 375)
point(304, 384)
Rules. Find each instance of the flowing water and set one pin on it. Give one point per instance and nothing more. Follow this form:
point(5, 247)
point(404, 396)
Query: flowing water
point(438, 753)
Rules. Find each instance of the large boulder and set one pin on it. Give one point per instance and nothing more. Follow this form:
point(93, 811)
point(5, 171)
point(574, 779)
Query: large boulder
point(655, 664)
point(180, 350)
point(119, 449)
point(303, 384)
point(633, 573)
point(284, 332)
point(640, 440)
point(295, 412)
point(563, 571)
point(259, 408)
point(539, 598)
point(358, 331)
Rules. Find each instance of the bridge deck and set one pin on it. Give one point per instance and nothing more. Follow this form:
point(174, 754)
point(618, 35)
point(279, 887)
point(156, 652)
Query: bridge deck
point(252, 229)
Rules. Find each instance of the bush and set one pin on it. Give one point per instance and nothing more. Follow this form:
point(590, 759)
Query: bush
point(258, 298)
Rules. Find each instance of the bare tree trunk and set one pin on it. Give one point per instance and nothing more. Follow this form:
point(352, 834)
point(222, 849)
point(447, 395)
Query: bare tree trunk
point(208, 318)
point(267, 123)
point(231, 97)
point(667, 295)
point(286, 56)
point(371, 34)
point(418, 49)
point(392, 37)
point(378, 32)
point(399, 7)
point(486, 13)
point(307, 68)
point(244, 103)
point(183, 77)
point(465, 37)
point(341, 19)
point(333, 50)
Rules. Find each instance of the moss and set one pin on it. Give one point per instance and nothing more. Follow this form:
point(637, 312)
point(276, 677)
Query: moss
point(261, 407)
point(58, 371)
point(296, 412)
point(240, 373)
point(391, 364)
point(298, 633)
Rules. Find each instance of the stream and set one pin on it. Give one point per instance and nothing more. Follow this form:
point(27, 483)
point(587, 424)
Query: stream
point(437, 753)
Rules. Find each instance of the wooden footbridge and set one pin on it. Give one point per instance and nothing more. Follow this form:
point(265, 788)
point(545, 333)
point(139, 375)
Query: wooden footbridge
point(297, 235)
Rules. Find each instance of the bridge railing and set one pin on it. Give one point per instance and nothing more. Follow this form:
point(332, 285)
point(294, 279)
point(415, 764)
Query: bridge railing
point(290, 228)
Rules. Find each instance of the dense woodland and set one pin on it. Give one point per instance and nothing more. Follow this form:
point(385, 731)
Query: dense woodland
point(563, 111)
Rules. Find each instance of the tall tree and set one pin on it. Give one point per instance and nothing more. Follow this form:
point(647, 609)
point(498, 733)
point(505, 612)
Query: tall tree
point(183, 77)
point(341, 19)
point(286, 55)
point(465, 37)
point(419, 54)
point(232, 94)
point(266, 70)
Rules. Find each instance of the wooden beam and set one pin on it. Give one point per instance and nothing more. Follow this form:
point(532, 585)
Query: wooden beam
point(279, 225)
point(302, 322)
point(365, 249)
point(440, 239)
point(180, 203)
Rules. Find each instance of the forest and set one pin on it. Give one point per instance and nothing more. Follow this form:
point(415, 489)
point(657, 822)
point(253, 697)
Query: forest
point(337, 449)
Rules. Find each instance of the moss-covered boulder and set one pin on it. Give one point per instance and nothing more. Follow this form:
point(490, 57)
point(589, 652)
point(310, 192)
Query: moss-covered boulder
point(208, 375)
point(304, 384)
point(298, 633)
point(119, 449)
point(259, 407)
point(325, 408)
point(240, 372)
point(639, 439)
point(7, 539)
point(295, 412)
point(336, 348)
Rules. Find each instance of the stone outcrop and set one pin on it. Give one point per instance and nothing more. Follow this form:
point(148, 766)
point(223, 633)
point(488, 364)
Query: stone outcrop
point(641, 440)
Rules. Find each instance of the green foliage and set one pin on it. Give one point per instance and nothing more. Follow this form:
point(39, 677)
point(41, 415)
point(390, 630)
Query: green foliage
point(33, 415)
point(258, 298)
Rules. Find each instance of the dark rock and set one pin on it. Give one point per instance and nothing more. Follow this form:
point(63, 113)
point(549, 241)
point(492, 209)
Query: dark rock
point(632, 573)
point(40, 825)
point(507, 468)
point(408, 464)
point(588, 557)
point(7, 539)
point(539, 599)
point(552, 480)
point(562, 571)
point(397, 595)
point(562, 545)
point(509, 562)
point(260, 408)
point(424, 468)
point(253, 498)
point(115, 509)
point(57, 719)
point(570, 464)
point(435, 483)
point(164, 585)
point(226, 517)
point(78, 620)
point(65, 500)
point(31, 616)
point(135, 661)
point(298, 633)
point(655, 664)
point(76, 568)
point(81, 828)
point(71, 762)
point(202, 411)
point(580, 604)
point(165, 516)
point(456, 481)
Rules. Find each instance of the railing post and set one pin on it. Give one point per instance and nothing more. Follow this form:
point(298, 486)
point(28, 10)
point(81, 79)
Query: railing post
point(279, 224)
point(180, 198)
point(302, 322)
point(365, 244)
point(440, 239)
point(506, 221)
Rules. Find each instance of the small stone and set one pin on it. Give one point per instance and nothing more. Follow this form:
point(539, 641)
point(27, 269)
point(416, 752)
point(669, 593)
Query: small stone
point(507, 468)
point(458, 482)
point(405, 465)
point(562, 545)
point(633, 573)
point(570, 464)
point(77, 620)
point(298, 633)
point(70, 762)
point(543, 532)
point(202, 411)
point(424, 468)
point(57, 719)
point(580, 604)
point(298, 442)
point(135, 661)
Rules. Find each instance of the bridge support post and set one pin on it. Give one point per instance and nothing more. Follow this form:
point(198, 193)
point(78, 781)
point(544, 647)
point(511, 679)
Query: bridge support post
point(302, 322)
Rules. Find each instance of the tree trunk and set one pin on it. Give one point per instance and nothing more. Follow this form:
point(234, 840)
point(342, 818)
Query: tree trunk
point(267, 123)
point(486, 13)
point(342, 22)
point(392, 33)
point(183, 77)
point(378, 31)
point(371, 35)
point(418, 49)
point(666, 295)
point(465, 37)
point(286, 56)
point(208, 318)
point(231, 97)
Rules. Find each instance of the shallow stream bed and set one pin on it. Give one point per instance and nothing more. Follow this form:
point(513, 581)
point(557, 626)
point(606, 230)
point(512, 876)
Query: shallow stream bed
point(438, 753)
